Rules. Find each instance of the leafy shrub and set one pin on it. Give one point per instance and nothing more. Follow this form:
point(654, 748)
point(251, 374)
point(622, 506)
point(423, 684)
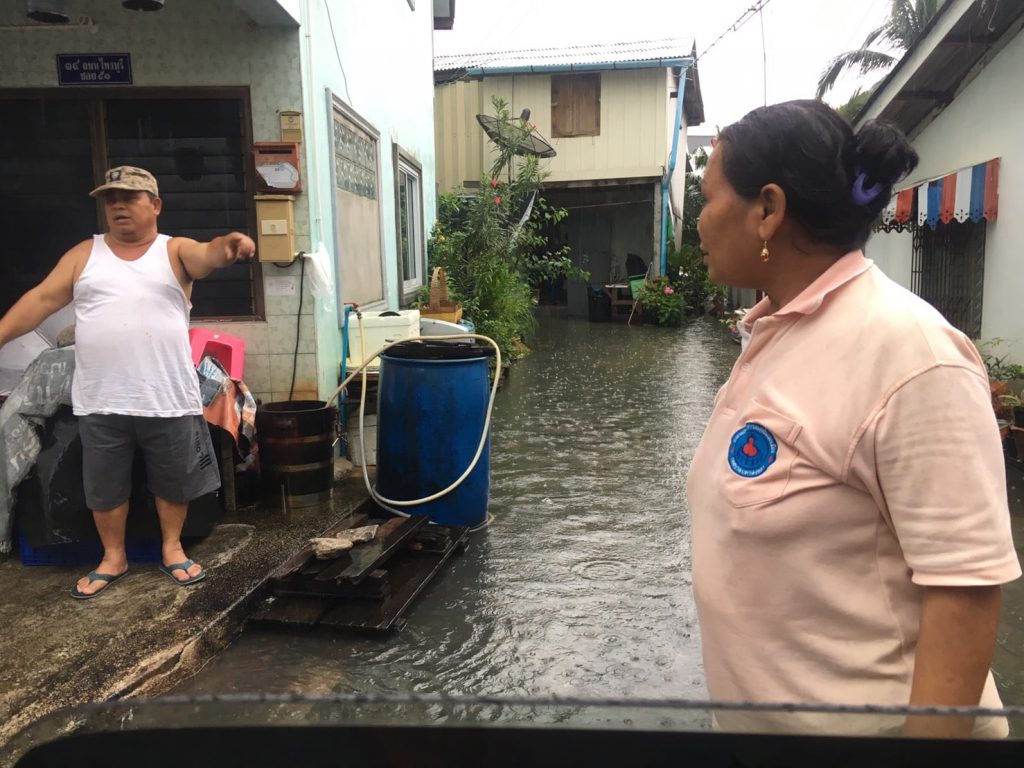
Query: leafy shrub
point(659, 299)
point(490, 242)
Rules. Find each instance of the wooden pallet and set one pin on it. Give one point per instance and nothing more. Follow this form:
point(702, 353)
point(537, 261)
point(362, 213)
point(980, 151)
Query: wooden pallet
point(368, 588)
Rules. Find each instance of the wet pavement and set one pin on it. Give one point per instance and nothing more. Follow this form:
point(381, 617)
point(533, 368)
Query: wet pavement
point(582, 585)
point(147, 633)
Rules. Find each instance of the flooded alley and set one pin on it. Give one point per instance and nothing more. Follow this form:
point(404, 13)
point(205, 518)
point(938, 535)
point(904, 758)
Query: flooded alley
point(582, 584)
point(581, 587)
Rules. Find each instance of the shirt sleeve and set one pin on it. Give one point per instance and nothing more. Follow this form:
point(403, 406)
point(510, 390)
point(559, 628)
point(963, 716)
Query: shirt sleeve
point(941, 475)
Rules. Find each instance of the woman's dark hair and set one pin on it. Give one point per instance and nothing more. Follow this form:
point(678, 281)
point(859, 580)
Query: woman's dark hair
point(811, 152)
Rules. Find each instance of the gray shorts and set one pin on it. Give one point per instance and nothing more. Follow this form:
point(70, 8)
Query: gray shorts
point(180, 462)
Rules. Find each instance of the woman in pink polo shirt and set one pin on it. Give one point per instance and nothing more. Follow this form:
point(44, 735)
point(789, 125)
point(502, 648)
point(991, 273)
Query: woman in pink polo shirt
point(850, 520)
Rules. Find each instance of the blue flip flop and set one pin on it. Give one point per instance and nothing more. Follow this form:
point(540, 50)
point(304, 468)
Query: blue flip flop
point(169, 570)
point(95, 576)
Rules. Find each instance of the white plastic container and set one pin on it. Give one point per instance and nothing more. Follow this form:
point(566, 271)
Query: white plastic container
point(355, 450)
point(379, 332)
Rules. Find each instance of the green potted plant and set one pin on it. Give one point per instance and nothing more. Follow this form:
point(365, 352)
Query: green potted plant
point(660, 302)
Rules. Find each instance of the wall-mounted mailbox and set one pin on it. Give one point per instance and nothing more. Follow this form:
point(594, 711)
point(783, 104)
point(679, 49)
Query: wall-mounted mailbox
point(275, 228)
point(291, 126)
point(277, 166)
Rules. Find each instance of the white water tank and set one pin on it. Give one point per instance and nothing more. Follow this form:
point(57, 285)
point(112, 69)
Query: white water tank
point(380, 329)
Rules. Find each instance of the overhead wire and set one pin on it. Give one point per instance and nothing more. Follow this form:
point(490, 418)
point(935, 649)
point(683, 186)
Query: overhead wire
point(746, 16)
point(764, 58)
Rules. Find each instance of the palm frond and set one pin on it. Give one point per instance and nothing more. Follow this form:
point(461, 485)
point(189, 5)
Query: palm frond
point(907, 20)
point(864, 60)
point(872, 36)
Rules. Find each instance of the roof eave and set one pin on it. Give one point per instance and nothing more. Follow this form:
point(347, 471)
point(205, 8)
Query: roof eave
point(528, 69)
point(931, 36)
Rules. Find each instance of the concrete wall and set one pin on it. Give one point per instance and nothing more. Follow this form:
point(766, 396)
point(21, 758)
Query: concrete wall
point(380, 63)
point(194, 43)
point(632, 144)
point(983, 122)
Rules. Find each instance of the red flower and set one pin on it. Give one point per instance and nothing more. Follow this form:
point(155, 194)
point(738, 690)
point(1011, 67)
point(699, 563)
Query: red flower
point(494, 182)
point(497, 201)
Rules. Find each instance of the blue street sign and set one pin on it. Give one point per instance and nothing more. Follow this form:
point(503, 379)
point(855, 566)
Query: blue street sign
point(94, 69)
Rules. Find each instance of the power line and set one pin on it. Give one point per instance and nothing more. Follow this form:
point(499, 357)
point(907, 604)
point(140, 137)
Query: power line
point(764, 59)
point(746, 16)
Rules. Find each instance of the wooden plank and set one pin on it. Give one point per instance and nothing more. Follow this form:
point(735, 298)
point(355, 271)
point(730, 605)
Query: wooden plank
point(368, 557)
point(409, 573)
point(561, 106)
point(292, 612)
point(586, 105)
point(377, 586)
point(296, 561)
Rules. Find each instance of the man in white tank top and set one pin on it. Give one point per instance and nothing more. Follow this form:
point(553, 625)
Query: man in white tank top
point(134, 385)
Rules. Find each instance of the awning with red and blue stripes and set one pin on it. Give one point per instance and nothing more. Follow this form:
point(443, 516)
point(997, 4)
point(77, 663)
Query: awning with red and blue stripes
point(970, 193)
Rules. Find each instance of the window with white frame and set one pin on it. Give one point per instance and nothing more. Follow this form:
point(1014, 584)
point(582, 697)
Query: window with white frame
point(409, 209)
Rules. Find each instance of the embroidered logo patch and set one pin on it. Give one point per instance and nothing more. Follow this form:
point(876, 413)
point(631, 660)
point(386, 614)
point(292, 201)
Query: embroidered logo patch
point(752, 450)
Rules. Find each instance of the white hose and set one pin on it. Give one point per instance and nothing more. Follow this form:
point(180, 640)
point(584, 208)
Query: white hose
point(390, 504)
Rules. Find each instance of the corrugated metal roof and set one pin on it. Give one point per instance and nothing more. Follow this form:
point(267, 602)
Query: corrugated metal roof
point(589, 56)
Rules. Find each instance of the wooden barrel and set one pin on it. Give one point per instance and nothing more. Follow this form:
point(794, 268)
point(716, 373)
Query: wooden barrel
point(296, 439)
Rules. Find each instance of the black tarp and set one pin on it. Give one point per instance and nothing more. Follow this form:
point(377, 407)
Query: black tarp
point(51, 508)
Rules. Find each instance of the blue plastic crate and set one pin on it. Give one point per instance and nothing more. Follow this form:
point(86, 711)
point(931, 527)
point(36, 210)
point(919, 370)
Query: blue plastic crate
point(86, 552)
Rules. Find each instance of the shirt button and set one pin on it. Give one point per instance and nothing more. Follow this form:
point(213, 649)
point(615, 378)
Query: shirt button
point(745, 367)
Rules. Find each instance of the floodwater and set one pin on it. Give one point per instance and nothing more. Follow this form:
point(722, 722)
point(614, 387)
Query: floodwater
point(582, 586)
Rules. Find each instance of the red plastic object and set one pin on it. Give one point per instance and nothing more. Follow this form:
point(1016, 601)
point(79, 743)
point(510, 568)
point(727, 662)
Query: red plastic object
point(229, 350)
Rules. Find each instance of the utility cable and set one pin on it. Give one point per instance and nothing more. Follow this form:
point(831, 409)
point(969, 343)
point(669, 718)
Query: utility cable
point(337, 51)
point(764, 58)
point(746, 16)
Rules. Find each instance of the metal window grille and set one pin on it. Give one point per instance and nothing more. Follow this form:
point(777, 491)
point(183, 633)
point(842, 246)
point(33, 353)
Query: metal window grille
point(949, 272)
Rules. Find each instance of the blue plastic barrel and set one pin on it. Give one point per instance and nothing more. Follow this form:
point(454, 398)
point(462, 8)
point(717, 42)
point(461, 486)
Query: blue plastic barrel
point(432, 402)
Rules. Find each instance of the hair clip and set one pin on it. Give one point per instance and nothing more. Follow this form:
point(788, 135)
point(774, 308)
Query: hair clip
point(863, 196)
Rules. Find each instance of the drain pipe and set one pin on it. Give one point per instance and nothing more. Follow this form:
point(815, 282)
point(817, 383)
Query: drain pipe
point(666, 180)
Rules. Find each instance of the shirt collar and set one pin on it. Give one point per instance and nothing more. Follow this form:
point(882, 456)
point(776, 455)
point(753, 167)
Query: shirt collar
point(839, 274)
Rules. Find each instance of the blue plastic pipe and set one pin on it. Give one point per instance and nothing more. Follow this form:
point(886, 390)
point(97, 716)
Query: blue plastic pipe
point(667, 180)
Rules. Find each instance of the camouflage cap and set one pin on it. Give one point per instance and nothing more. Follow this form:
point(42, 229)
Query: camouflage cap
point(128, 177)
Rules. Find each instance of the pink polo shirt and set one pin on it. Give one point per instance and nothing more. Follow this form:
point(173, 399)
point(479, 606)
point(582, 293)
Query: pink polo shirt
point(851, 459)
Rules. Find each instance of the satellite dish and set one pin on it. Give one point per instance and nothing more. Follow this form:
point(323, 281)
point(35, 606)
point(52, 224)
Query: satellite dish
point(533, 144)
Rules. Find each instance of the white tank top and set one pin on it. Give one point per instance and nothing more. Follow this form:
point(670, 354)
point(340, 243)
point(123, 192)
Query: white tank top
point(132, 353)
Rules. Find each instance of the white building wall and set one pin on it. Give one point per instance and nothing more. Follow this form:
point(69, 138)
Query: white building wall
point(892, 253)
point(378, 59)
point(983, 122)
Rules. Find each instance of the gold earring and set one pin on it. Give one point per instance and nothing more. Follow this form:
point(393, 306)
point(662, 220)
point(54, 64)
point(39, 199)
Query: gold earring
point(764, 253)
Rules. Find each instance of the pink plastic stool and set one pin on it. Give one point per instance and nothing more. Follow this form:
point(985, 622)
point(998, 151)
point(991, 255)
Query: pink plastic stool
point(229, 350)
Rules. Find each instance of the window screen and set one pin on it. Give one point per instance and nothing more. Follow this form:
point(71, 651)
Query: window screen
point(196, 149)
